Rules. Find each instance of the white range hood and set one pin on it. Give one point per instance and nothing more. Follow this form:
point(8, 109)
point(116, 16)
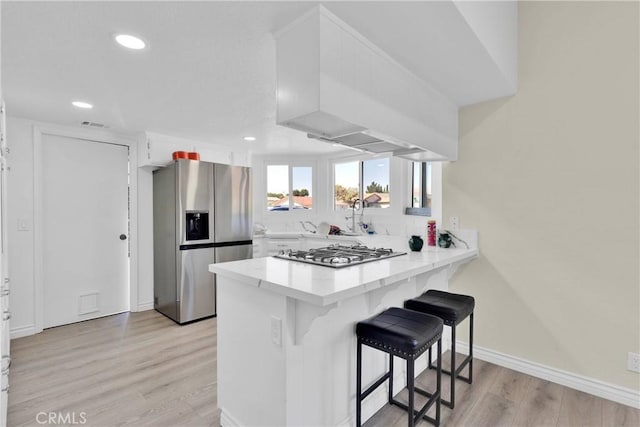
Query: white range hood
point(373, 142)
point(337, 86)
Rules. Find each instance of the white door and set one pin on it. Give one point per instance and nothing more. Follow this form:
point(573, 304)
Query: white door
point(85, 229)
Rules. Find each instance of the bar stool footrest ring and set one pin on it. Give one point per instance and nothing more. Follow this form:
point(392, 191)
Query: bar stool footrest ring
point(421, 414)
point(461, 366)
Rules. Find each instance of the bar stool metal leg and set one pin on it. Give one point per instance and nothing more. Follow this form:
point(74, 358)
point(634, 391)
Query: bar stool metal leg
point(454, 374)
point(359, 384)
point(469, 359)
point(471, 347)
point(391, 378)
point(410, 388)
point(439, 382)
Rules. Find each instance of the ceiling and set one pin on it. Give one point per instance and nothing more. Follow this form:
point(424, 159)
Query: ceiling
point(209, 71)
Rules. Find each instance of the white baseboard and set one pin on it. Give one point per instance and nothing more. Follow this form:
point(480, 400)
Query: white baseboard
point(227, 420)
point(24, 331)
point(145, 306)
point(625, 396)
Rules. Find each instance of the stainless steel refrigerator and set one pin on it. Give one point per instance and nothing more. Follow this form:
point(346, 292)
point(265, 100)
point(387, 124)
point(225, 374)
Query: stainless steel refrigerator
point(201, 215)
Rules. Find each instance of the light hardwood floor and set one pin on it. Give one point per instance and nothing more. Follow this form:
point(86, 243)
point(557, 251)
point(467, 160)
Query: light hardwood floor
point(137, 369)
point(141, 369)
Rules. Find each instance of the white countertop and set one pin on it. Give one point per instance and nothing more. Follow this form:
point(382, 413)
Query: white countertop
point(322, 286)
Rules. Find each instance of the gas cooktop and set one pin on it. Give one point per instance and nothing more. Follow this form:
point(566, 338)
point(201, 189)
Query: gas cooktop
point(337, 256)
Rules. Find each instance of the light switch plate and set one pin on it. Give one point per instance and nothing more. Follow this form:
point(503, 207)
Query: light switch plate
point(454, 223)
point(633, 362)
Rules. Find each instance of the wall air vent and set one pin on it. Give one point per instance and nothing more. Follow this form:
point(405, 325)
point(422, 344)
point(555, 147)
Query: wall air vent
point(94, 125)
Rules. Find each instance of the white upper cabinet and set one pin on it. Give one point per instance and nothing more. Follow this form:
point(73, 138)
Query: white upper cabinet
point(156, 150)
point(335, 84)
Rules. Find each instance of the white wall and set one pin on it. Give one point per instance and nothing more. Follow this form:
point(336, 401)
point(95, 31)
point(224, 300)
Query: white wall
point(550, 178)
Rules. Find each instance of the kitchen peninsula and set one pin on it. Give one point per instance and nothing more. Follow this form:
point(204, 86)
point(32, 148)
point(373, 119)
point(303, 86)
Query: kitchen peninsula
point(286, 342)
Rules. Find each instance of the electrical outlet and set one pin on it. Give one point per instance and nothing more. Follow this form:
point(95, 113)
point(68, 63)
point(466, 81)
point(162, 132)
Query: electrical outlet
point(276, 331)
point(633, 362)
point(454, 223)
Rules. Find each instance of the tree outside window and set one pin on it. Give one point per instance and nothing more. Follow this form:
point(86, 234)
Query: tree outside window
point(366, 180)
point(289, 188)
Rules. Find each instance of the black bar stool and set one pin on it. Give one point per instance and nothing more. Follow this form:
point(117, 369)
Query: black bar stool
point(406, 334)
point(452, 309)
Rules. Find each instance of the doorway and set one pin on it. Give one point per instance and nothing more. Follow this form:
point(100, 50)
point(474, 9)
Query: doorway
point(83, 223)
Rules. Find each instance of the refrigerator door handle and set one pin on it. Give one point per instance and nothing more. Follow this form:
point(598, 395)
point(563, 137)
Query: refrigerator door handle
point(235, 243)
point(193, 246)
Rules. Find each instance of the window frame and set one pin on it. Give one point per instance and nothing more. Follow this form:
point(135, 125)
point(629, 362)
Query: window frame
point(435, 211)
point(361, 190)
point(290, 165)
point(423, 209)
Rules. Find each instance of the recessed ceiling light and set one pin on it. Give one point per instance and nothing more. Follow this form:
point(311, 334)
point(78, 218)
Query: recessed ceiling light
point(81, 104)
point(130, 42)
point(249, 138)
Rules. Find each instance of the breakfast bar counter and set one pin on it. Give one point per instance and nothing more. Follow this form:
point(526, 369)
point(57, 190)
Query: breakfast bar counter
point(286, 342)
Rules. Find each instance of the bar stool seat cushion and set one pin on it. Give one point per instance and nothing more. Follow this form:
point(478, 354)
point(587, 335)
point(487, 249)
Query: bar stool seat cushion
point(452, 308)
point(405, 332)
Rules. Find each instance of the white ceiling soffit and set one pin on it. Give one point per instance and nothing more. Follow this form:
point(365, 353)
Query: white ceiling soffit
point(209, 73)
point(438, 46)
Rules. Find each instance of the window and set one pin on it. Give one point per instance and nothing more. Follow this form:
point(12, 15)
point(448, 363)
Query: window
point(421, 194)
point(289, 188)
point(366, 180)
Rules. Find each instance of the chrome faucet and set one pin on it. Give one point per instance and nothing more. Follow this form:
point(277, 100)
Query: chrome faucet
point(352, 228)
point(315, 228)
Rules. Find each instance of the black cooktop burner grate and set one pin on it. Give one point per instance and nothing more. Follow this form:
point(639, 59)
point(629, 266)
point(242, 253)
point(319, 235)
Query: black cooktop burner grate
point(339, 255)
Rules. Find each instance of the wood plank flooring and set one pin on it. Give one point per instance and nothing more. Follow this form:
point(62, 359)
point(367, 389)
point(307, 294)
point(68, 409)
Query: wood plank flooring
point(141, 369)
point(502, 397)
point(137, 369)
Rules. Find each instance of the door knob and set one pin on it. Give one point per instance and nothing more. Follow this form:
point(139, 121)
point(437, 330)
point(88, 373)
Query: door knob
point(123, 237)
